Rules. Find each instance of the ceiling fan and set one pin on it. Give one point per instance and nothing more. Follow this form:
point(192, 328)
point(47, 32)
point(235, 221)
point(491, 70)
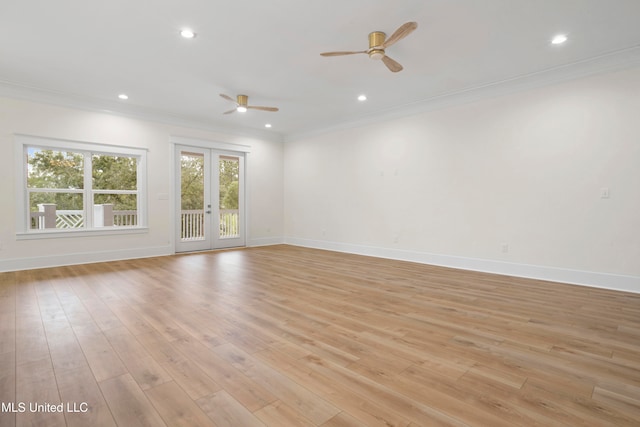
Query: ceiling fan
point(377, 45)
point(242, 104)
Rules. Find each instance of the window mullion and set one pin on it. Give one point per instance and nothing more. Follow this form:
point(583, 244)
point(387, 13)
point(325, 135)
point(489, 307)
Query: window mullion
point(141, 186)
point(88, 191)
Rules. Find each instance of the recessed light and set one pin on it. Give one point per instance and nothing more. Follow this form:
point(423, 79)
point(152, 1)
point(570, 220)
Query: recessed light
point(559, 39)
point(362, 98)
point(187, 33)
point(268, 125)
point(123, 96)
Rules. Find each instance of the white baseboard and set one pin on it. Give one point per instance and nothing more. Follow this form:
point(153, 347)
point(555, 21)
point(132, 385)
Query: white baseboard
point(265, 241)
point(576, 277)
point(82, 258)
point(31, 263)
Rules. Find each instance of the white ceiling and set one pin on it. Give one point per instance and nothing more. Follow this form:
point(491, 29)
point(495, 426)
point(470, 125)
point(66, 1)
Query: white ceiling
point(85, 52)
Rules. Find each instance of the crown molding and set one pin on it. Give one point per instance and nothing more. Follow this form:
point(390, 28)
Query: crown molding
point(34, 94)
point(610, 62)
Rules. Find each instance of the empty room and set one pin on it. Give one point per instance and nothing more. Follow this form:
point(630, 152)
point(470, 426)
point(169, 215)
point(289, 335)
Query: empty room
point(339, 213)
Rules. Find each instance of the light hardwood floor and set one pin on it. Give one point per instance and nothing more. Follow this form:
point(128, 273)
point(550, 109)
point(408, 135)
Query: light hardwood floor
point(286, 336)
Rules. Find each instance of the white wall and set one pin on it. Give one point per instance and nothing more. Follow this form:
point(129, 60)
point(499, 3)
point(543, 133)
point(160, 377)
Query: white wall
point(264, 182)
point(454, 186)
point(448, 187)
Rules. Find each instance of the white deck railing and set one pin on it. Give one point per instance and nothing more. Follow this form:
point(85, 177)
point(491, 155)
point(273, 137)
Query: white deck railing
point(192, 225)
point(229, 226)
point(69, 219)
point(125, 218)
point(49, 217)
point(192, 222)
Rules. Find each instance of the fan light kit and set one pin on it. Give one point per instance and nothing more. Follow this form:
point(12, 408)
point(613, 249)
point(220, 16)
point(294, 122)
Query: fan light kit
point(362, 98)
point(123, 96)
point(187, 33)
point(378, 44)
point(242, 106)
point(559, 39)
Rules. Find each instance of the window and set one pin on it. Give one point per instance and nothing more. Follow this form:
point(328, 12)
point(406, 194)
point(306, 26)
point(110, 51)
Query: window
point(69, 186)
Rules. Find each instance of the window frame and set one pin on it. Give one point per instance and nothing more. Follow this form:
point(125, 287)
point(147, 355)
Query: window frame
point(23, 215)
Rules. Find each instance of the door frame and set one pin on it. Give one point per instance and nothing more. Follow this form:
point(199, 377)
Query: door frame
point(223, 147)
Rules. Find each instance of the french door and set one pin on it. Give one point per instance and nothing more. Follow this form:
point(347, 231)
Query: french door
point(210, 200)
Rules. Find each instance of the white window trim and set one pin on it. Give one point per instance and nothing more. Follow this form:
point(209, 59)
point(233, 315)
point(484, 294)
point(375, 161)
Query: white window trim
point(22, 209)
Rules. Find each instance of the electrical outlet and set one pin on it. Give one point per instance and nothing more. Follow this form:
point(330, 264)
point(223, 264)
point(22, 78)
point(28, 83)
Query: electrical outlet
point(604, 193)
point(505, 248)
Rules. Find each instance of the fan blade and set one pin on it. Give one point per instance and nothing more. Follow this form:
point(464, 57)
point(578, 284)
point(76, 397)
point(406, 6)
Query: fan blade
point(342, 53)
point(230, 111)
point(402, 32)
point(263, 108)
point(391, 64)
point(227, 97)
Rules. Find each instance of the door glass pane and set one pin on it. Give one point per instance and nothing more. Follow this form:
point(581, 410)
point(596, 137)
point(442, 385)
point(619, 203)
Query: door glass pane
point(229, 199)
point(192, 209)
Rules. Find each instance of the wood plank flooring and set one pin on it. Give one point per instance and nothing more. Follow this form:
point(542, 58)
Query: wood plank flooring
point(288, 336)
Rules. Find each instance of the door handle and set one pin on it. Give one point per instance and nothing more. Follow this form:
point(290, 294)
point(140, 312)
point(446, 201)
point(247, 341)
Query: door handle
point(208, 212)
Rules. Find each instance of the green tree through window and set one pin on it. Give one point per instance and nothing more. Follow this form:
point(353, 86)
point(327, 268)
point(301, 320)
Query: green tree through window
point(229, 184)
point(71, 182)
point(192, 181)
point(50, 169)
point(114, 173)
